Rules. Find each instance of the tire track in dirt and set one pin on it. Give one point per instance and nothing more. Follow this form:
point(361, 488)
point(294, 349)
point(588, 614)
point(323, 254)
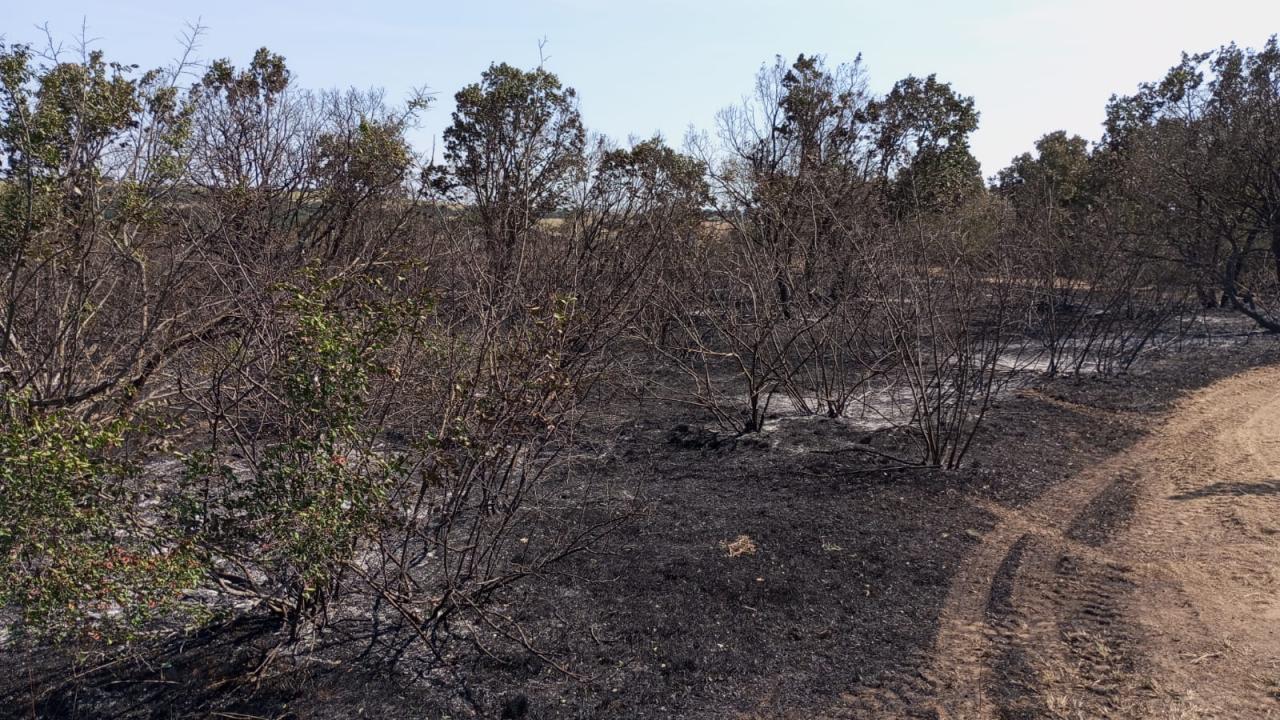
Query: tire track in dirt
point(969, 641)
point(1119, 592)
point(1209, 602)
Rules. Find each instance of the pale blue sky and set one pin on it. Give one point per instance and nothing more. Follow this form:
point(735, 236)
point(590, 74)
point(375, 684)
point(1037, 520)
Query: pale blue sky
point(663, 65)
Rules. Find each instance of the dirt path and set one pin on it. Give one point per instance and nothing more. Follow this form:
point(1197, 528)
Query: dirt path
point(1143, 587)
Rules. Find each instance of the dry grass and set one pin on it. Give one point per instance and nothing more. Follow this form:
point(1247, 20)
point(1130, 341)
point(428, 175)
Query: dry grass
point(739, 546)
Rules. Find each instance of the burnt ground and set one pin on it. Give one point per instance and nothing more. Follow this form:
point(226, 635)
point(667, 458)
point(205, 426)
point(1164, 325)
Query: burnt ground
point(853, 562)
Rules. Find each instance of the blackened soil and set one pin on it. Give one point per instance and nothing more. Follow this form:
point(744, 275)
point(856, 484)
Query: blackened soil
point(1107, 513)
point(853, 560)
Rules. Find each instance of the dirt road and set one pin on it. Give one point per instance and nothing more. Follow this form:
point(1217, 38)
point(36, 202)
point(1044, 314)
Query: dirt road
point(1145, 587)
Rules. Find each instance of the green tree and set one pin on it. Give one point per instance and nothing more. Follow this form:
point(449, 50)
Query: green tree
point(1058, 175)
point(515, 147)
point(922, 140)
point(1198, 160)
point(91, 149)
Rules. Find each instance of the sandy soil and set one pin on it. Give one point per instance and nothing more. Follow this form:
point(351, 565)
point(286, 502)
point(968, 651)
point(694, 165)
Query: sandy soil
point(1145, 586)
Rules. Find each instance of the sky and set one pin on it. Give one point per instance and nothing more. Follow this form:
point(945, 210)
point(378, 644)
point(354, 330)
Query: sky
point(662, 66)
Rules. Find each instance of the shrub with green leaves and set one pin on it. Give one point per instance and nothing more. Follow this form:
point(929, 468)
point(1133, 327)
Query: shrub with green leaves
point(281, 515)
point(79, 558)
